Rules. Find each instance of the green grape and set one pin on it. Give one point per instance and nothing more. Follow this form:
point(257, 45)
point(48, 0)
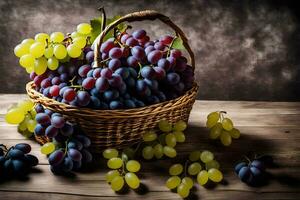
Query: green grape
point(225, 138)
point(164, 126)
point(133, 166)
point(80, 41)
point(29, 69)
point(227, 124)
point(149, 136)
point(117, 183)
point(180, 137)
point(74, 51)
point(183, 190)
point(170, 151)
point(212, 164)
point(42, 37)
point(33, 113)
point(25, 105)
point(75, 34)
point(194, 168)
point(188, 182)
point(37, 49)
point(57, 37)
point(27, 134)
point(40, 65)
point(235, 133)
point(14, 116)
point(27, 61)
point(129, 152)
point(194, 156)
point(171, 140)
point(175, 169)
point(110, 153)
point(158, 151)
point(148, 152)
point(180, 126)
point(173, 182)
point(212, 119)
point(60, 51)
point(22, 126)
point(215, 131)
point(114, 163)
point(31, 124)
point(84, 28)
point(132, 180)
point(202, 177)
point(52, 63)
point(21, 49)
point(111, 175)
point(162, 138)
point(28, 41)
point(48, 52)
point(215, 175)
point(47, 148)
point(206, 156)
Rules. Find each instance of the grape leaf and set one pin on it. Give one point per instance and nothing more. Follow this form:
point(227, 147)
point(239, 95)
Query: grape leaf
point(177, 43)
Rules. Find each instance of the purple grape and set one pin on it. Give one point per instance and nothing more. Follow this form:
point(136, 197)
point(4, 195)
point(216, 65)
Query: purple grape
point(138, 52)
point(164, 63)
point(86, 142)
point(115, 52)
point(154, 56)
point(67, 164)
point(125, 37)
point(160, 73)
point(67, 130)
point(148, 72)
point(62, 69)
point(55, 80)
point(51, 131)
point(87, 49)
point(61, 85)
point(32, 75)
point(114, 64)
point(153, 84)
point(166, 39)
point(95, 102)
point(172, 61)
point(150, 43)
point(97, 73)
point(74, 154)
point(110, 95)
point(115, 81)
point(149, 49)
point(39, 108)
point(83, 98)
point(131, 42)
point(258, 164)
point(64, 77)
point(83, 70)
point(42, 118)
point(62, 90)
point(173, 78)
point(132, 72)
point(115, 105)
point(90, 56)
point(69, 95)
point(107, 46)
point(90, 73)
point(56, 157)
point(46, 83)
point(141, 85)
point(39, 130)
point(106, 73)
point(139, 34)
point(180, 65)
point(159, 46)
point(88, 83)
point(132, 61)
point(123, 72)
point(26, 148)
point(102, 84)
point(86, 156)
point(58, 121)
point(245, 174)
point(72, 70)
point(175, 53)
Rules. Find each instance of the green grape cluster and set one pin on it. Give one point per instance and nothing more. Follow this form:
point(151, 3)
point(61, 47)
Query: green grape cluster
point(46, 51)
point(221, 127)
point(163, 142)
point(22, 114)
point(123, 169)
point(200, 165)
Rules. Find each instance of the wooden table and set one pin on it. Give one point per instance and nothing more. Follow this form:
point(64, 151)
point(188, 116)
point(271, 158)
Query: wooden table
point(267, 128)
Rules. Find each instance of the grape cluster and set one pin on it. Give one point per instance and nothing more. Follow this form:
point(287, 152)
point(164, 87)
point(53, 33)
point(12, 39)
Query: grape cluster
point(182, 175)
point(69, 147)
point(163, 142)
point(123, 169)
point(221, 127)
point(16, 161)
point(253, 173)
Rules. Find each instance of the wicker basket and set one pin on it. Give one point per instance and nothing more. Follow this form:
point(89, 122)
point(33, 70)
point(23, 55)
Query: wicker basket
point(121, 128)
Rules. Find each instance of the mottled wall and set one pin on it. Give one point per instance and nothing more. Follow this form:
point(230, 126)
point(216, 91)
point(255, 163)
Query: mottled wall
point(245, 50)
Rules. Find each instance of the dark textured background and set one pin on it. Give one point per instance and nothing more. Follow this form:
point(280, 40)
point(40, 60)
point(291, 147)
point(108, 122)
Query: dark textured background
point(245, 50)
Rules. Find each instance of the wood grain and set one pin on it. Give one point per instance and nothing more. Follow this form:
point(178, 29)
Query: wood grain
point(267, 127)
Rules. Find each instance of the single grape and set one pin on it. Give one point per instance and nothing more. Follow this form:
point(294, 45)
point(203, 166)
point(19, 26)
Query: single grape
point(235, 133)
point(166, 39)
point(31, 125)
point(83, 98)
point(111, 175)
point(212, 164)
point(173, 78)
point(170, 140)
point(69, 94)
point(84, 28)
point(239, 166)
point(60, 51)
point(206, 156)
point(154, 56)
point(51, 131)
point(202, 177)
point(175, 169)
point(215, 131)
point(133, 166)
point(117, 183)
point(225, 138)
point(132, 180)
point(28, 41)
point(110, 153)
point(26, 148)
point(215, 175)
point(183, 190)
point(173, 182)
point(22, 49)
point(138, 52)
point(194, 156)
point(176, 53)
point(180, 126)
point(37, 49)
point(158, 151)
point(194, 168)
point(27, 61)
point(75, 155)
point(227, 124)
point(188, 182)
point(42, 37)
point(164, 126)
point(56, 157)
point(48, 52)
point(245, 174)
point(180, 137)
point(80, 42)
point(148, 152)
point(14, 116)
point(102, 84)
point(26, 105)
point(52, 63)
point(139, 34)
point(131, 42)
point(57, 37)
point(149, 136)
point(47, 148)
point(115, 163)
point(212, 119)
point(74, 51)
point(169, 151)
point(54, 90)
point(115, 52)
point(107, 46)
point(258, 164)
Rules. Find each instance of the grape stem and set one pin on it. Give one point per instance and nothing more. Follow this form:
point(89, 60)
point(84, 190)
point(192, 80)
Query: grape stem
point(140, 65)
point(7, 151)
point(170, 47)
point(248, 159)
point(4, 147)
point(185, 166)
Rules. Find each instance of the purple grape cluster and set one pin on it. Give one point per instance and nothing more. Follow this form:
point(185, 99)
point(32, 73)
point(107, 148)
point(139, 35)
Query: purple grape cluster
point(134, 72)
point(71, 144)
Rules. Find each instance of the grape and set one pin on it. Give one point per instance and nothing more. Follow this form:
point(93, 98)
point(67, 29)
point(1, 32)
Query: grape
point(32, 160)
point(42, 37)
point(28, 41)
point(110, 153)
point(106, 73)
point(115, 52)
point(235, 133)
point(84, 28)
point(114, 64)
point(159, 73)
point(258, 164)
point(180, 137)
point(164, 126)
point(46, 83)
point(158, 151)
point(183, 190)
point(212, 164)
point(132, 180)
point(90, 56)
point(173, 182)
point(188, 182)
point(239, 166)
point(115, 163)
point(39, 130)
point(27, 60)
point(102, 84)
point(107, 46)
point(180, 64)
point(115, 105)
point(69, 94)
point(83, 70)
point(154, 56)
point(225, 138)
point(139, 34)
point(176, 169)
point(51, 131)
point(47, 148)
point(215, 175)
point(117, 183)
point(131, 42)
point(212, 119)
point(206, 156)
point(159, 46)
point(202, 177)
point(57, 121)
point(227, 124)
point(170, 151)
point(170, 140)
point(37, 49)
point(88, 83)
point(245, 174)
point(215, 131)
point(133, 166)
point(57, 37)
point(173, 78)
point(42, 119)
point(111, 175)
point(80, 42)
point(52, 63)
point(74, 154)
point(19, 168)
point(175, 53)
point(83, 98)
point(149, 136)
point(180, 126)
point(60, 51)
point(172, 61)
point(138, 52)
point(54, 90)
point(56, 157)
point(25, 148)
point(110, 95)
point(149, 49)
point(74, 50)
point(194, 156)
point(123, 72)
point(25, 105)
point(48, 52)
point(194, 168)
point(166, 39)
point(148, 152)
point(21, 49)
point(31, 125)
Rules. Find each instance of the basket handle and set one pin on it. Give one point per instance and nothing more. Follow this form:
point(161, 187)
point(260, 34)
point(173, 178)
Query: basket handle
point(140, 16)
